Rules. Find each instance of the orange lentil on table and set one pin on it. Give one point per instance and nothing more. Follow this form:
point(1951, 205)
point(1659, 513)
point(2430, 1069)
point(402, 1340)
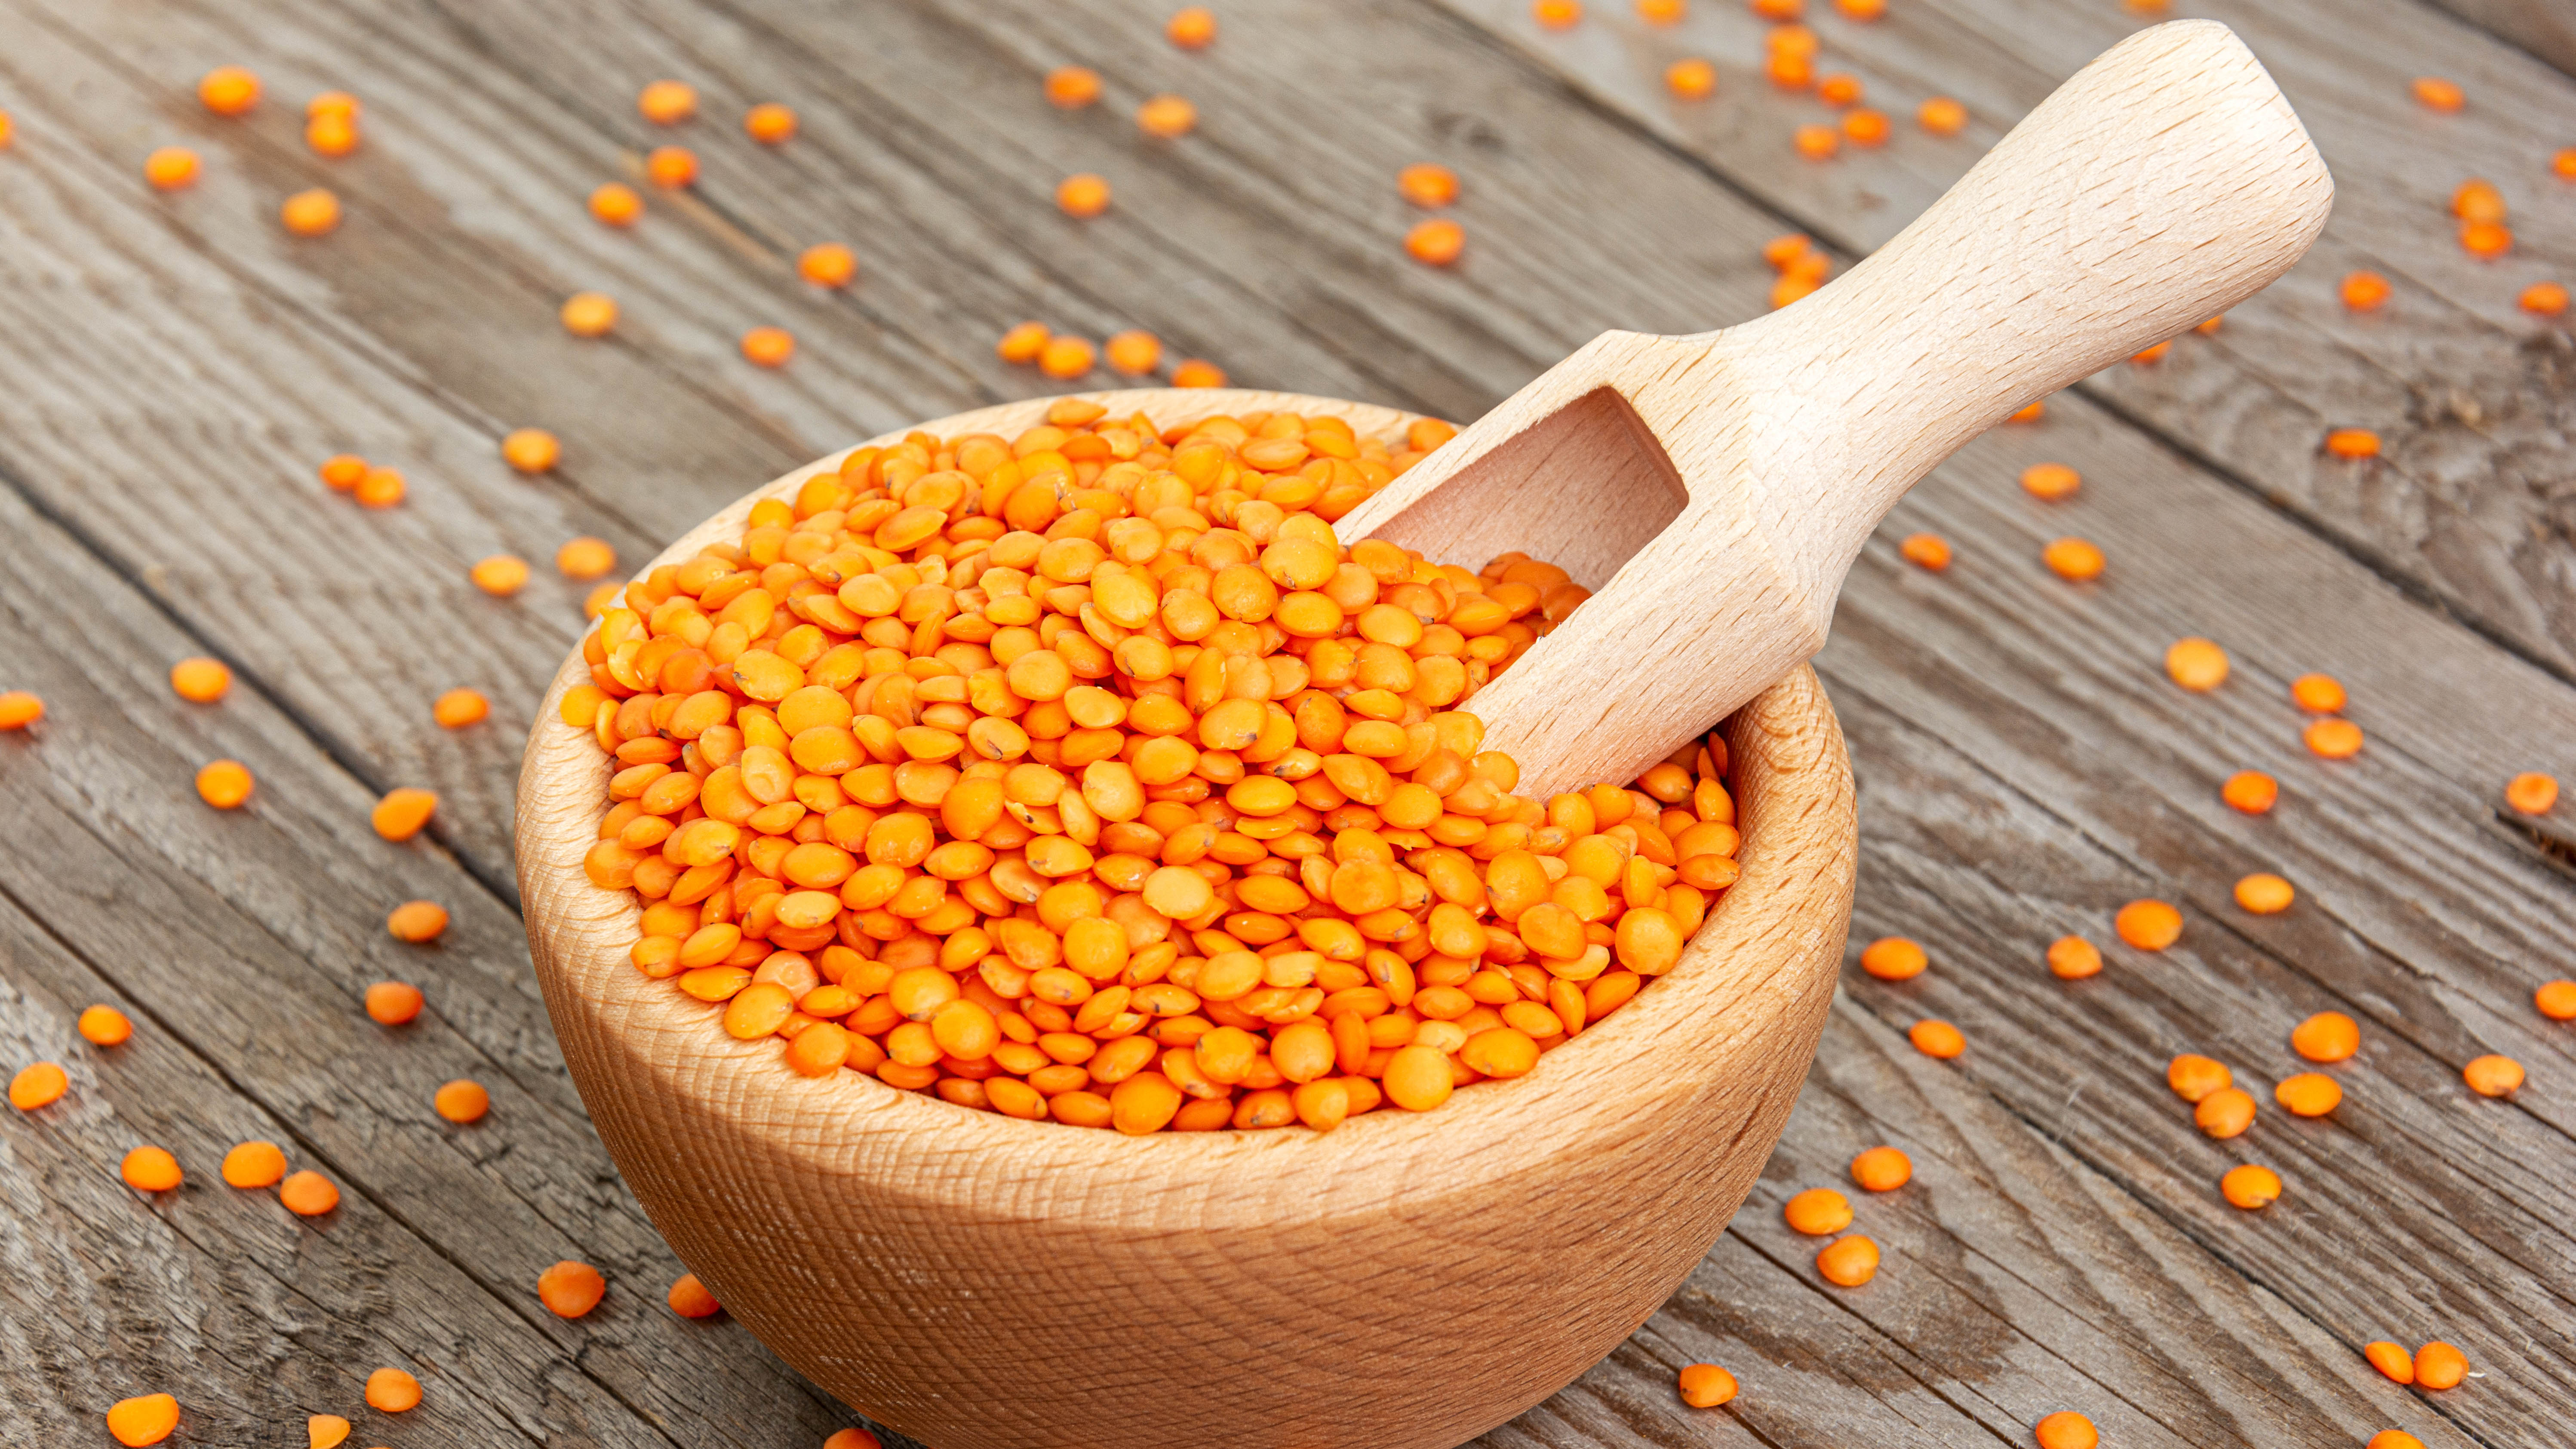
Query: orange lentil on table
point(2073, 559)
point(105, 1026)
point(1072, 87)
point(852, 1439)
point(308, 1194)
point(1427, 184)
point(1218, 850)
point(417, 922)
point(2439, 1365)
point(149, 1169)
point(2492, 1075)
point(310, 213)
point(1691, 78)
point(769, 123)
point(2072, 958)
point(1936, 1039)
point(2332, 739)
point(1705, 1385)
point(1133, 353)
point(228, 90)
point(254, 1164)
point(1777, 9)
point(2555, 1000)
point(1082, 195)
point(402, 812)
point(458, 708)
point(1790, 70)
point(2352, 443)
point(2391, 1360)
point(1197, 372)
point(671, 167)
point(1066, 358)
point(381, 488)
point(39, 1085)
point(2052, 481)
point(2531, 793)
point(1838, 88)
point(2250, 1187)
point(2563, 163)
point(2308, 1094)
point(2393, 1439)
point(570, 1289)
point(1882, 1169)
point(2318, 693)
point(1862, 9)
point(1662, 12)
point(1167, 116)
point(500, 575)
point(1556, 14)
point(1816, 142)
point(331, 133)
point(1894, 958)
point(585, 558)
point(667, 102)
point(2328, 1036)
point(2438, 94)
point(2148, 925)
point(333, 103)
point(325, 1431)
point(2485, 238)
point(589, 314)
point(2224, 1113)
point(1191, 28)
point(1436, 242)
point(145, 1419)
point(392, 1391)
point(531, 450)
point(1819, 1212)
point(828, 264)
point(170, 168)
point(392, 1003)
point(1023, 342)
point(2251, 792)
point(616, 203)
point(2264, 893)
point(2195, 1078)
point(1865, 127)
point(200, 680)
point(2363, 291)
point(768, 346)
point(2196, 664)
point(2543, 299)
point(342, 472)
point(2065, 1429)
point(224, 784)
point(1848, 1262)
point(19, 709)
point(1925, 550)
point(461, 1101)
point(1942, 116)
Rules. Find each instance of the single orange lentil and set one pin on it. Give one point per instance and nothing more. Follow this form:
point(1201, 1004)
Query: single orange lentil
point(391, 1391)
point(1936, 1039)
point(1882, 1169)
point(1816, 142)
point(332, 103)
point(689, 1298)
point(852, 1439)
point(228, 90)
point(1865, 127)
point(1925, 550)
point(2531, 792)
point(2073, 559)
point(308, 1194)
point(1066, 358)
point(254, 1164)
point(402, 812)
point(1690, 78)
point(2439, 1365)
point(2195, 1078)
point(1705, 1385)
point(1662, 12)
point(2394, 1362)
point(2485, 238)
point(40, 1085)
point(19, 709)
point(531, 450)
point(381, 488)
point(2264, 893)
point(1789, 70)
point(2363, 291)
point(105, 1026)
point(343, 471)
point(458, 708)
point(828, 264)
point(417, 922)
point(224, 784)
point(770, 123)
point(2543, 299)
point(2250, 791)
point(616, 203)
point(2196, 664)
point(2318, 693)
point(331, 133)
point(1818, 1212)
point(1942, 116)
point(2065, 1429)
point(1792, 286)
point(2328, 1036)
point(2072, 958)
point(7, 128)
point(1132, 352)
point(149, 1169)
point(585, 558)
point(589, 314)
point(2224, 1113)
point(310, 213)
point(461, 1101)
point(1072, 87)
point(170, 168)
point(2556, 1000)
point(200, 680)
point(1894, 958)
point(2333, 739)
point(1778, 9)
point(1167, 116)
point(392, 1003)
point(1556, 14)
point(768, 346)
point(2492, 1075)
point(1436, 242)
point(2250, 1187)
point(2352, 443)
point(1838, 89)
point(2155, 353)
point(500, 575)
point(1082, 194)
point(2052, 481)
point(2031, 413)
point(571, 1289)
point(2564, 163)
point(145, 1419)
point(1427, 184)
point(671, 167)
point(1862, 9)
point(667, 102)
point(1191, 28)
point(1023, 343)
point(1848, 1262)
point(2308, 1094)
point(2438, 94)
point(2148, 925)
point(1197, 372)
point(2478, 200)
point(325, 1431)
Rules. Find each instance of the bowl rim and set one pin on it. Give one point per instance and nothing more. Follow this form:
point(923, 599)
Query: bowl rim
point(1718, 1003)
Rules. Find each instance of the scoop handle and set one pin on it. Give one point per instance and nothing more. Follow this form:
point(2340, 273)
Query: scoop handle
point(2159, 186)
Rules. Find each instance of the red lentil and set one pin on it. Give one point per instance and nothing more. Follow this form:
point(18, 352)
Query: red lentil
point(2148, 925)
point(2531, 792)
point(147, 1419)
point(2030, 413)
point(2318, 693)
point(2264, 894)
point(2556, 1000)
point(667, 102)
point(1072, 87)
point(2363, 291)
point(2196, 1078)
point(2065, 1429)
point(402, 812)
point(458, 708)
point(105, 1026)
point(19, 709)
point(200, 680)
point(1894, 958)
point(2250, 1187)
point(1882, 1169)
point(1023, 343)
point(2392, 1361)
point(1936, 1039)
point(689, 1298)
point(393, 1003)
point(1691, 78)
point(2328, 1036)
point(343, 472)
point(1865, 127)
point(461, 1102)
point(2352, 443)
point(571, 1289)
point(828, 264)
point(381, 488)
point(1778, 9)
point(310, 213)
point(331, 133)
point(589, 314)
point(2393, 1439)
point(170, 168)
point(1192, 28)
point(769, 123)
point(1862, 9)
point(2333, 739)
point(40, 1085)
point(1838, 89)
point(417, 922)
point(2072, 958)
point(149, 1169)
point(2543, 299)
point(2224, 1113)
point(2485, 238)
point(2309, 1094)
point(2196, 664)
point(1662, 12)
point(1427, 184)
point(501, 575)
point(392, 1391)
point(616, 203)
point(1556, 14)
point(2052, 481)
point(1133, 353)
point(1942, 116)
point(852, 1439)
point(2492, 1076)
point(1848, 1262)
point(2440, 1366)
point(2251, 791)
point(1925, 550)
point(325, 1431)
point(1082, 195)
point(224, 784)
point(1705, 1385)
point(1066, 358)
point(2153, 354)
point(1436, 242)
point(2438, 94)
point(671, 167)
point(254, 1164)
point(1169, 117)
point(2073, 559)
point(308, 1194)
point(1816, 142)
point(1819, 1212)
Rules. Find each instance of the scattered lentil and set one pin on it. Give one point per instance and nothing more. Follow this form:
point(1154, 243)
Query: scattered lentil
point(616, 203)
point(1082, 195)
point(106, 1026)
point(2364, 291)
point(2052, 481)
point(1848, 1262)
point(331, 133)
point(501, 575)
point(2073, 559)
point(1865, 127)
point(2195, 1078)
point(39, 1085)
point(381, 488)
point(1819, 1212)
point(391, 1391)
point(1882, 1169)
point(2072, 958)
point(2318, 693)
point(2264, 893)
point(461, 1102)
point(2485, 238)
point(1197, 372)
point(2544, 299)
point(1023, 343)
point(1838, 89)
point(2065, 1429)
point(2030, 413)
point(2224, 1113)
point(2392, 1361)
point(343, 472)
point(417, 922)
point(1437, 241)
point(1691, 78)
point(571, 1289)
point(458, 708)
point(200, 680)
point(2492, 1076)
point(1925, 550)
point(224, 784)
point(2333, 739)
point(2153, 354)
point(1894, 958)
point(1942, 116)
point(2251, 792)
point(2328, 1036)
point(228, 90)
point(1936, 1039)
point(769, 123)
point(1705, 1385)
point(2250, 1187)
point(1816, 142)
point(2531, 792)
point(2148, 925)
point(2196, 664)
point(1066, 358)
point(402, 812)
point(147, 1419)
point(589, 314)
point(671, 167)
point(393, 1003)
point(1862, 9)
point(2556, 1000)
point(1427, 184)
point(310, 213)
point(667, 102)
point(254, 1164)
point(308, 1194)
point(325, 1431)
point(1169, 117)
point(1071, 87)
point(828, 264)
point(2309, 1094)
point(1191, 28)
point(2439, 1365)
point(1662, 12)
point(2352, 443)
point(2393, 1439)
point(1556, 14)
point(170, 168)
point(149, 1169)
point(2438, 94)
point(857, 1439)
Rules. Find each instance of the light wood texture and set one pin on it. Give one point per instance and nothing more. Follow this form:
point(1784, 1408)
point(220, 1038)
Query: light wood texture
point(175, 367)
point(2163, 184)
point(987, 1261)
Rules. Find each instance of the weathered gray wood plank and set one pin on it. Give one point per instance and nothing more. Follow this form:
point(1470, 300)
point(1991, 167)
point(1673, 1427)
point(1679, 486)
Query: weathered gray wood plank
point(2545, 30)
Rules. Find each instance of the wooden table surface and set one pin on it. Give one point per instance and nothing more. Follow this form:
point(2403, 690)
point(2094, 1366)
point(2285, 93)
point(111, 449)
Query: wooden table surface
point(173, 366)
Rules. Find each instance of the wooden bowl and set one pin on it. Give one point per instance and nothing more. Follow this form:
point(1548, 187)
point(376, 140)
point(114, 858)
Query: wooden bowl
point(1408, 1280)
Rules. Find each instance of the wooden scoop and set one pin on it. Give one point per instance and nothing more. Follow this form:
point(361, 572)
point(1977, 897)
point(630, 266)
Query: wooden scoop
point(1715, 488)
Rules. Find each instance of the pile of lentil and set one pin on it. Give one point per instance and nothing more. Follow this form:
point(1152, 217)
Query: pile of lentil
point(1084, 775)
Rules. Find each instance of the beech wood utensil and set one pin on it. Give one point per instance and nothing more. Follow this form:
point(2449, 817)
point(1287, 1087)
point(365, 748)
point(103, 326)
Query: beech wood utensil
point(1411, 1280)
point(1715, 488)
